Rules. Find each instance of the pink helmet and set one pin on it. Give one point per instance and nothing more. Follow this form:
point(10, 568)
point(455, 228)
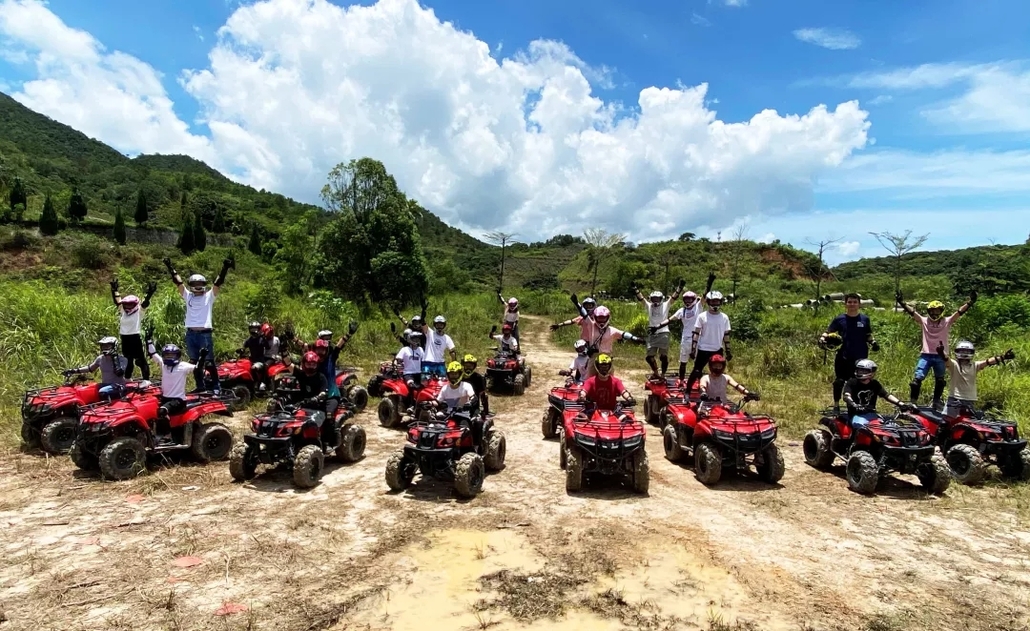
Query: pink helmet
point(602, 316)
point(691, 295)
point(513, 302)
point(129, 303)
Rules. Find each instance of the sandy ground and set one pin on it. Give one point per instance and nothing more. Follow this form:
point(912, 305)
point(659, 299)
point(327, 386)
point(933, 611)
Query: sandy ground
point(185, 548)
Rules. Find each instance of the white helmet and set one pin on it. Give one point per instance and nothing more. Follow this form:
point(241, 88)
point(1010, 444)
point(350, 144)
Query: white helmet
point(439, 320)
point(580, 346)
point(714, 296)
point(325, 334)
point(513, 302)
point(197, 283)
point(657, 296)
point(865, 368)
point(964, 350)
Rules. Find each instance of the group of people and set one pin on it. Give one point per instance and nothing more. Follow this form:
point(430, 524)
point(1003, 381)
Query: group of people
point(855, 374)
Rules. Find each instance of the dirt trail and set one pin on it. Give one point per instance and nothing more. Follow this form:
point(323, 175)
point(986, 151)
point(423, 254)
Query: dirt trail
point(184, 548)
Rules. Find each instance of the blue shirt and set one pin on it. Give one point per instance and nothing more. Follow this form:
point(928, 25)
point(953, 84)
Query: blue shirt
point(855, 332)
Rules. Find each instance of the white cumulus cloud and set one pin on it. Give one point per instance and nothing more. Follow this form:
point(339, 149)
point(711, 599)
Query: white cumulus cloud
point(522, 143)
point(834, 39)
point(848, 248)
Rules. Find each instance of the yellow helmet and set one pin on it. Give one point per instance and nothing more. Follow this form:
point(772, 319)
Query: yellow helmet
point(469, 359)
point(936, 304)
point(603, 363)
point(454, 371)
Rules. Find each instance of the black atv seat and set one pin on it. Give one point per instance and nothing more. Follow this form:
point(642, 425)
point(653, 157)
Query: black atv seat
point(931, 414)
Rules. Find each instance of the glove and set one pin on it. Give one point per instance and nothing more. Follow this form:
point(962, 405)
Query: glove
point(711, 278)
point(69, 372)
point(630, 402)
point(114, 286)
point(202, 356)
point(973, 295)
point(651, 330)
point(229, 263)
point(693, 354)
point(151, 288)
point(639, 340)
point(729, 355)
point(1009, 354)
point(754, 396)
point(148, 333)
point(563, 373)
point(555, 327)
point(493, 329)
point(168, 263)
point(352, 328)
point(908, 407)
point(899, 298)
point(874, 346)
point(393, 328)
point(574, 299)
point(940, 348)
point(682, 283)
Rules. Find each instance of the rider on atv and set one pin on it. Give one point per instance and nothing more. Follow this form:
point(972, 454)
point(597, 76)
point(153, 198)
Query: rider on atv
point(936, 329)
point(577, 370)
point(173, 382)
point(507, 341)
point(963, 370)
point(603, 390)
point(585, 320)
point(511, 313)
point(409, 359)
point(112, 369)
point(255, 347)
point(327, 356)
point(477, 380)
point(862, 391)
point(714, 385)
point(315, 392)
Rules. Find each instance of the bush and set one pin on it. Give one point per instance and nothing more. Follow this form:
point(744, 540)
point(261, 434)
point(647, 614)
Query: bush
point(91, 252)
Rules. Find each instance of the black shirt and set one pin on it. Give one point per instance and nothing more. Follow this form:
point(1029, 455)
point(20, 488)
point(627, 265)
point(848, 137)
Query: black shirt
point(477, 381)
point(863, 395)
point(854, 332)
point(310, 385)
point(256, 346)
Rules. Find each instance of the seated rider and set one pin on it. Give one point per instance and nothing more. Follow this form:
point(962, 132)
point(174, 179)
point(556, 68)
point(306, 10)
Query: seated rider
point(478, 382)
point(862, 391)
point(506, 341)
point(457, 392)
point(173, 383)
point(714, 385)
point(254, 348)
point(314, 394)
point(409, 359)
point(962, 371)
point(112, 369)
point(577, 370)
point(327, 356)
point(603, 390)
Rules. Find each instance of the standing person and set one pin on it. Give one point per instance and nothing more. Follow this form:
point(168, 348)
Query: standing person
point(687, 315)
point(478, 382)
point(200, 302)
point(657, 307)
point(511, 314)
point(963, 371)
point(711, 336)
point(130, 318)
point(854, 333)
point(936, 329)
point(603, 336)
point(438, 343)
point(585, 320)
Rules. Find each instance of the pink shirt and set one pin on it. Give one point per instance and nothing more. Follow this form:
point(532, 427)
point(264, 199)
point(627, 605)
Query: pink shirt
point(603, 340)
point(586, 327)
point(934, 332)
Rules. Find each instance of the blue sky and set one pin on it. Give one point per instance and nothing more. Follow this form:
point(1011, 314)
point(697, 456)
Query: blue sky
point(939, 83)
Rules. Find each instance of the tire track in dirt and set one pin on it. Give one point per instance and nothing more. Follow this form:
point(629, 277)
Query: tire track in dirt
point(348, 554)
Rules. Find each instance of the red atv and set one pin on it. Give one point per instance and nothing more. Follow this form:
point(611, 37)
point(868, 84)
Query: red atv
point(235, 375)
point(293, 435)
point(50, 415)
point(509, 369)
point(889, 443)
point(661, 392)
point(972, 440)
point(722, 435)
point(609, 442)
point(558, 399)
point(347, 382)
point(117, 437)
point(397, 397)
point(443, 447)
point(387, 370)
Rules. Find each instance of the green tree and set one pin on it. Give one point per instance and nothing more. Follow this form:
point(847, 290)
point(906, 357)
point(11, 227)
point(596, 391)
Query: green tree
point(199, 234)
point(372, 250)
point(18, 195)
point(293, 259)
point(19, 212)
point(119, 227)
point(142, 215)
point(254, 245)
point(49, 224)
point(218, 223)
point(77, 206)
point(186, 243)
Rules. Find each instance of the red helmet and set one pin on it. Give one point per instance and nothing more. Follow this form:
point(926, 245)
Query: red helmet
point(506, 328)
point(321, 346)
point(267, 330)
point(309, 363)
point(717, 359)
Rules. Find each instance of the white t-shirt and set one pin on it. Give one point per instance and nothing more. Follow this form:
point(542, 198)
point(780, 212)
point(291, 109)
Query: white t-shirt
point(454, 397)
point(437, 346)
point(579, 364)
point(198, 308)
point(711, 327)
point(689, 318)
point(173, 380)
point(510, 344)
point(412, 359)
point(511, 317)
point(656, 314)
point(714, 387)
point(129, 323)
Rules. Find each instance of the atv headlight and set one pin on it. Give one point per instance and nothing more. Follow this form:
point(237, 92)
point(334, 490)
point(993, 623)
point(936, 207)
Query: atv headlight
point(633, 442)
point(447, 442)
point(586, 440)
point(721, 434)
point(769, 433)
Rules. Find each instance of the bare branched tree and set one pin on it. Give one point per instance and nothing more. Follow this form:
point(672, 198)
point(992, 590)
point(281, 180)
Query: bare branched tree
point(821, 270)
point(503, 239)
point(739, 235)
point(899, 245)
point(602, 243)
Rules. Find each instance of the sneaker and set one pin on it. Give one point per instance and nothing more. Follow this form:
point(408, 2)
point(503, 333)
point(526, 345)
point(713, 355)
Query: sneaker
point(262, 387)
point(938, 405)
